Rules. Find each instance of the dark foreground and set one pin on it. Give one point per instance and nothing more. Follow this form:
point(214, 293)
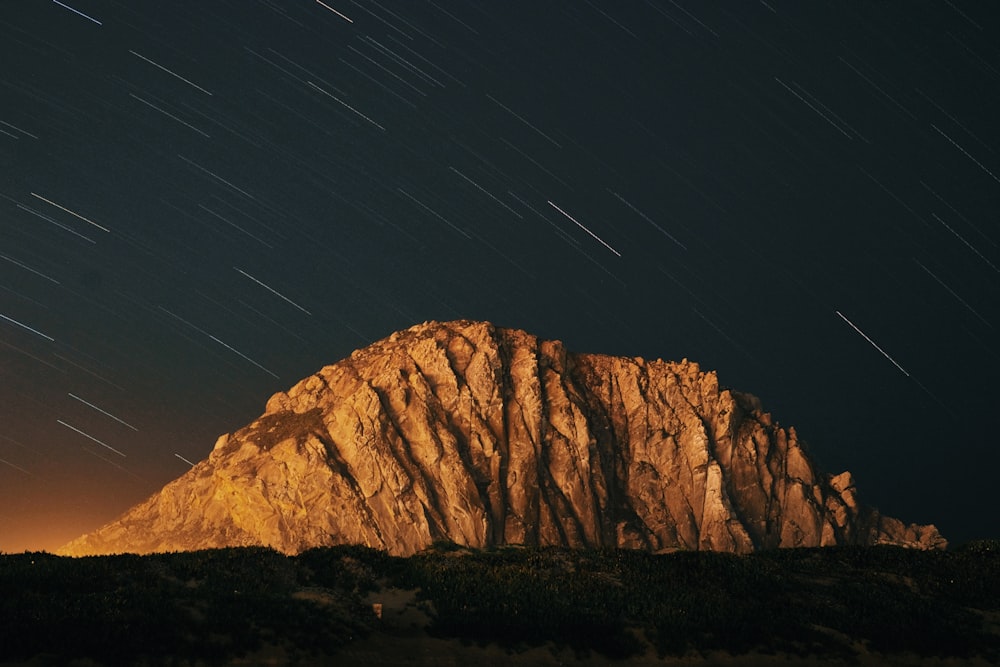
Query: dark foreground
point(505, 606)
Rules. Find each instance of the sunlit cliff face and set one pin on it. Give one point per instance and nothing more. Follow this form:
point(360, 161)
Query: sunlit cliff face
point(483, 436)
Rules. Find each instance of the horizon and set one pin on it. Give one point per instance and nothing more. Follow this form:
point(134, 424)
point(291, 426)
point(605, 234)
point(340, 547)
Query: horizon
point(683, 362)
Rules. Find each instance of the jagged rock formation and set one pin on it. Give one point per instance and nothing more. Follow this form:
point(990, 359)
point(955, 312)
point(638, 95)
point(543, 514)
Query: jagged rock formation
point(484, 436)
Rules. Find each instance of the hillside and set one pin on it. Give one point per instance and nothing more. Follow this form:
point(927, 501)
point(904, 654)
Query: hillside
point(451, 605)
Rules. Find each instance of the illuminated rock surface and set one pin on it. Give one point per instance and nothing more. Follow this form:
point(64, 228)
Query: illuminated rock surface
point(479, 435)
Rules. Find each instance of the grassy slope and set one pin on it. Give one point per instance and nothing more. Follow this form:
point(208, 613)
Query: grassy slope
point(212, 607)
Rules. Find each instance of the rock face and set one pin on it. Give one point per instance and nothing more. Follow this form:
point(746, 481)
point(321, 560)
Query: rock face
point(485, 436)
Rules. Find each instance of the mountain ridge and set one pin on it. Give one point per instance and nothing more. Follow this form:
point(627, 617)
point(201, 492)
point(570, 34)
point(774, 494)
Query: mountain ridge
point(484, 436)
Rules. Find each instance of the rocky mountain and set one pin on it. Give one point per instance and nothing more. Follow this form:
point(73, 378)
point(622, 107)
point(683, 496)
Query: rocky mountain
point(483, 436)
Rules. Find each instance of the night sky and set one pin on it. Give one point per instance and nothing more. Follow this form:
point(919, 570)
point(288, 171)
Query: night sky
point(202, 202)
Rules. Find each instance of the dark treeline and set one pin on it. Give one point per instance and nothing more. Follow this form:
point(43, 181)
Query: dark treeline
point(213, 606)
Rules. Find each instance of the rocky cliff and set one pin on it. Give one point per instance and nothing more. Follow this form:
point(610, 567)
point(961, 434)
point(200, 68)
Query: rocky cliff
point(467, 432)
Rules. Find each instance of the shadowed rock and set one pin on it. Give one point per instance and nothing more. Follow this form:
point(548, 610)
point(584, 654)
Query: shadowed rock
point(484, 436)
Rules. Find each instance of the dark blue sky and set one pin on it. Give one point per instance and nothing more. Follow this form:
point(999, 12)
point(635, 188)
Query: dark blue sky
point(203, 202)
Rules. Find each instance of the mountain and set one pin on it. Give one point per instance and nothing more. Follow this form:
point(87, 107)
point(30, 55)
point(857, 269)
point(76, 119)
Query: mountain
point(483, 436)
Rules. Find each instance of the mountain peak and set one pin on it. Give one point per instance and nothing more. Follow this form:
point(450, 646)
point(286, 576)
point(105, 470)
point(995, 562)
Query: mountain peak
point(485, 436)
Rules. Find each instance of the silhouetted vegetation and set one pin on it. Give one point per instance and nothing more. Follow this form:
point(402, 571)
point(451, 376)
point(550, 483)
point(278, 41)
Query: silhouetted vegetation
point(804, 601)
point(206, 605)
point(214, 606)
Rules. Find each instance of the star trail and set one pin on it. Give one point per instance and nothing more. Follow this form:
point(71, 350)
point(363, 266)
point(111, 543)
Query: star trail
point(203, 202)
